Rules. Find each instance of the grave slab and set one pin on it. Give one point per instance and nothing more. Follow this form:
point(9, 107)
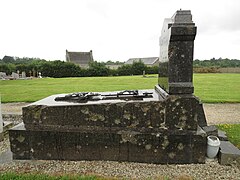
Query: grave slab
point(228, 153)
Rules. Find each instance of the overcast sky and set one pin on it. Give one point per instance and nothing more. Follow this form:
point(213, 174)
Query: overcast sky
point(113, 29)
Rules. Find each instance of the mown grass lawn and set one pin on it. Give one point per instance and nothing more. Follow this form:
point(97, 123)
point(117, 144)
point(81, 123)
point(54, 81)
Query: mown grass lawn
point(217, 88)
point(28, 176)
point(209, 87)
point(233, 132)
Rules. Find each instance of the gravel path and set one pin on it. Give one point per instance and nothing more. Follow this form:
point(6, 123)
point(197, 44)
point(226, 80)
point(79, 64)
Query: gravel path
point(228, 113)
point(215, 113)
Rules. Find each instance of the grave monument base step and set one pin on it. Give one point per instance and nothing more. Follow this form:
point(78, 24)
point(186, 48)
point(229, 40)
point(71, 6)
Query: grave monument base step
point(175, 147)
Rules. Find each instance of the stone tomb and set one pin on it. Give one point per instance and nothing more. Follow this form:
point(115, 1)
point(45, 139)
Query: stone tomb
point(161, 125)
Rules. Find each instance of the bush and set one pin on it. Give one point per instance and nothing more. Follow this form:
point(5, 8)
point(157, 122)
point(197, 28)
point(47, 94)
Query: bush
point(152, 70)
point(7, 68)
point(138, 68)
point(98, 69)
point(206, 70)
point(58, 69)
point(125, 70)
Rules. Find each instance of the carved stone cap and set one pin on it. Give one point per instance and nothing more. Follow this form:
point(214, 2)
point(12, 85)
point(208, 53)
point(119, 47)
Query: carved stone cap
point(182, 17)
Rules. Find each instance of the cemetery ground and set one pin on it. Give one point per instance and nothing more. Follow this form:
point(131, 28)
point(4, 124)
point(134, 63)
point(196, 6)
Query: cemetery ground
point(218, 92)
point(210, 88)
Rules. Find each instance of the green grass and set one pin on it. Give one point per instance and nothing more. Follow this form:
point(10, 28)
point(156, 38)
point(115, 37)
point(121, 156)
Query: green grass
point(217, 88)
point(209, 87)
point(15, 176)
point(233, 132)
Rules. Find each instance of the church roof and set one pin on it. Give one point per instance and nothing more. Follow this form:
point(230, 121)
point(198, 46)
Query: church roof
point(147, 60)
point(79, 57)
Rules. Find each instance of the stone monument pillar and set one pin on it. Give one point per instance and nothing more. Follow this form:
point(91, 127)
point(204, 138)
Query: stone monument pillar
point(176, 53)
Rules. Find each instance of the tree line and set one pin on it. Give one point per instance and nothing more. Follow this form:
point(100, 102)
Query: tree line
point(58, 69)
point(217, 63)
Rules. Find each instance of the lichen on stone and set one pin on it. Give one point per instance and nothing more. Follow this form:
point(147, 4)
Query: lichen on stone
point(180, 146)
point(20, 138)
point(171, 155)
point(145, 109)
point(148, 146)
point(127, 115)
point(85, 110)
point(96, 117)
point(165, 142)
point(128, 136)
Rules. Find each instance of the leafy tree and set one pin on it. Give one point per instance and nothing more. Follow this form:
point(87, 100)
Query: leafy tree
point(97, 69)
point(59, 69)
point(152, 70)
point(8, 59)
point(125, 70)
point(217, 63)
point(7, 68)
point(138, 68)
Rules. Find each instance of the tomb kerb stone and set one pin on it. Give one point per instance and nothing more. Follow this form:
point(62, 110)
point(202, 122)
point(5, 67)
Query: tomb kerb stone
point(176, 53)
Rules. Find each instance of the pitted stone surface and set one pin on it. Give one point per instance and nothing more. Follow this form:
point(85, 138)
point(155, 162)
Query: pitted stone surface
point(228, 153)
point(156, 147)
point(176, 53)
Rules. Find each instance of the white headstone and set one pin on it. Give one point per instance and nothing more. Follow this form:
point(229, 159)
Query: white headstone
point(15, 75)
point(39, 75)
point(3, 75)
point(24, 74)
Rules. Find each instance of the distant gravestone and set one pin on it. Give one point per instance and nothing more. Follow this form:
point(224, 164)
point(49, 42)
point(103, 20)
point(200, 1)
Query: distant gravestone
point(144, 74)
point(23, 74)
point(1, 121)
point(15, 75)
point(3, 75)
point(39, 75)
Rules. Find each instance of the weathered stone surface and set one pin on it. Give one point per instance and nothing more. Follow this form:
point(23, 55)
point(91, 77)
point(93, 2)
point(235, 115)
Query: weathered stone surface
point(228, 153)
point(222, 135)
point(211, 130)
point(154, 147)
point(176, 53)
point(182, 112)
point(201, 115)
point(174, 112)
point(48, 113)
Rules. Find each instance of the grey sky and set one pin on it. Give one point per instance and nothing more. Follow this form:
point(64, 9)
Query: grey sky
point(113, 29)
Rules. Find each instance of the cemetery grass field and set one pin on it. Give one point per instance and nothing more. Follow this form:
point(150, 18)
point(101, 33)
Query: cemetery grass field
point(29, 176)
point(211, 88)
point(232, 131)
